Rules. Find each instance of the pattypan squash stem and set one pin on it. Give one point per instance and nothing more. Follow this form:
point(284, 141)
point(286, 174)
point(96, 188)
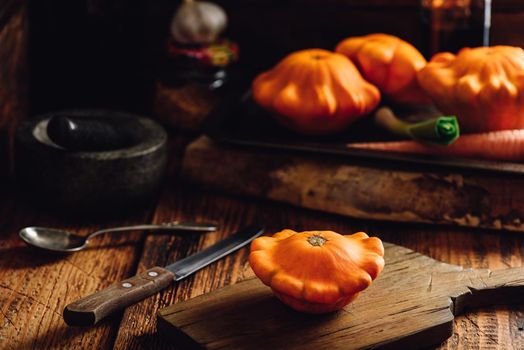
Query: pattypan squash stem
point(317, 240)
point(442, 130)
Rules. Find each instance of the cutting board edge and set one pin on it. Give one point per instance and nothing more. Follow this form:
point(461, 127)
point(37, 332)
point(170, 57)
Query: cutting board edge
point(439, 332)
point(444, 329)
point(175, 334)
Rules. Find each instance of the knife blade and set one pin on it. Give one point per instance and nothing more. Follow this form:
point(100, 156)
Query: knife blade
point(93, 308)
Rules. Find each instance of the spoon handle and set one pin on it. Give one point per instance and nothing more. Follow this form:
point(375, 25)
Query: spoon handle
point(173, 226)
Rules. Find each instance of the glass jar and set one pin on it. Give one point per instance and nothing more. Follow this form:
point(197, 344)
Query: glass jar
point(449, 25)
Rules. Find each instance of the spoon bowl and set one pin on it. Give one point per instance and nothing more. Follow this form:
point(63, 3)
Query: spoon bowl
point(52, 239)
point(63, 241)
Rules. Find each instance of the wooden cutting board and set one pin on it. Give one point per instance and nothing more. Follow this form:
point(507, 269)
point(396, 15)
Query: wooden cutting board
point(411, 305)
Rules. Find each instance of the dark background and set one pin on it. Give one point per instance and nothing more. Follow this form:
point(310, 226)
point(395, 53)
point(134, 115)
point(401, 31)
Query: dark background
point(59, 54)
point(103, 53)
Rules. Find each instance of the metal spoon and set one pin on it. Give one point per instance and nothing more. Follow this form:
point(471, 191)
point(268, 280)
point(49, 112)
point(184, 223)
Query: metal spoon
point(62, 241)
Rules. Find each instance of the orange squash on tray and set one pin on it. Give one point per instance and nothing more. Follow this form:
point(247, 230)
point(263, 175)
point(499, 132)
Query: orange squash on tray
point(317, 271)
point(315, 92)
point(389, 63)
point(483, 87)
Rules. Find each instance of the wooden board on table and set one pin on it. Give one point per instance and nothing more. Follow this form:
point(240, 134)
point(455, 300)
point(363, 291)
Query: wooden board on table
point(368, 191)
point(411, 305)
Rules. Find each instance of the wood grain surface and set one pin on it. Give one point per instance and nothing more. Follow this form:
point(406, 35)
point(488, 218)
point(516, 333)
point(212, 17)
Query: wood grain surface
point(35, 286)
point(411, 305)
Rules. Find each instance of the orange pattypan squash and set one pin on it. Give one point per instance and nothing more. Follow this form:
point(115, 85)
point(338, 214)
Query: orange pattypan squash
point(315, 92)
point(317, 271)
point(389, 63)
point(483, 87)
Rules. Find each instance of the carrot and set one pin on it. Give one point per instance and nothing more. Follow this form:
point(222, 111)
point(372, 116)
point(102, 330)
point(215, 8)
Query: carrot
point(505, 145)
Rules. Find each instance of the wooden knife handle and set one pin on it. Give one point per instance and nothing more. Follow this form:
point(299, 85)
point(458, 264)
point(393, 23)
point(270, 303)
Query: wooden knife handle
point(91, 309)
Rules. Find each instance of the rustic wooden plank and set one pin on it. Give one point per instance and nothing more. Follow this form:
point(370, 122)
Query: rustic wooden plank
point(475, 248)
point(471, 248)
point(456, 246)
point(359, 190)
point(35, 285)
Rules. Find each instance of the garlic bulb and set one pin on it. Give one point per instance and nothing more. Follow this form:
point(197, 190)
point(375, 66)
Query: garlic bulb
point(198, 22)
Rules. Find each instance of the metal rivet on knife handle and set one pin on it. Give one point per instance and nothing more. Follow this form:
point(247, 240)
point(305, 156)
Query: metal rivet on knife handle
point(93, 308)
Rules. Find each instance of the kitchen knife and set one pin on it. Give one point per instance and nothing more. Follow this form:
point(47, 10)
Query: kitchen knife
point(91, 309)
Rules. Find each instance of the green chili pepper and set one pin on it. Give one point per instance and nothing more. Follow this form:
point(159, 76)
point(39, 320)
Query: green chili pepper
point(440, 130)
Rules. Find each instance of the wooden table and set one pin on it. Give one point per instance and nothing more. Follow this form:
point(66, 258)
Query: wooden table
point(35, 286)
